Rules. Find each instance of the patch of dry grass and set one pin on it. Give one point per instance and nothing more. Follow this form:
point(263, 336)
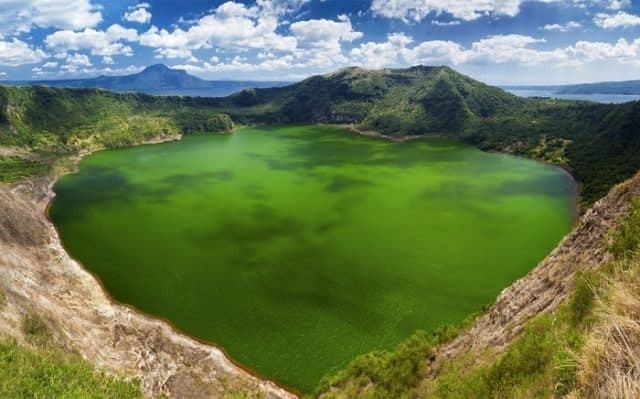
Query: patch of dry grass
point(609, 364)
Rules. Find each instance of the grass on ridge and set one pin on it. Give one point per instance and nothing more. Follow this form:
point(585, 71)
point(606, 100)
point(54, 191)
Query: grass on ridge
point(13, 169)
point(45, 371)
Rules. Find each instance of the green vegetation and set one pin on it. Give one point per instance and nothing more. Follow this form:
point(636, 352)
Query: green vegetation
point(627, 237)
point(13, 169)
point(50, 373)
point(60, 122)
point(43, 370)
point(388, 373)
point(35, 329)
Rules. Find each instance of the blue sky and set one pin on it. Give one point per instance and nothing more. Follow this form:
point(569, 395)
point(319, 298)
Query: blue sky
point(496, 41)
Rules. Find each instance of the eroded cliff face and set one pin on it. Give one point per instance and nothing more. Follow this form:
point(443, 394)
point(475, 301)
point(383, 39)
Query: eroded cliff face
point(36, 274)
point(550, 283)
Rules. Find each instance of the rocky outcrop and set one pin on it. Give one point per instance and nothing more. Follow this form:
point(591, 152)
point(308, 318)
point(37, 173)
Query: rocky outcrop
point(546, 286)
point(37, 274)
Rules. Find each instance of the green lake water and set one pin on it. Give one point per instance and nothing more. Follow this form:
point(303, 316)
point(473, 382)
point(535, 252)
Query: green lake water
point(297, 248)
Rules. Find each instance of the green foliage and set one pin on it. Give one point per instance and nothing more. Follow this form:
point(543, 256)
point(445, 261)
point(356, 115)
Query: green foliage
point(68, 120)
point(200, 122)
point(525, 360)
point(385, 374)
point(35, 328)
point(582, 300)
point(626, 238)
point(28, 373)
point(538, 364)
point(445, 105)
point(13, 169)
point(3, 298)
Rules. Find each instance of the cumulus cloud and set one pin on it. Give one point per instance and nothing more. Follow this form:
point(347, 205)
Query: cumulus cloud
point(17, 52)
point(498, 49)
point(319, 41)
point(571, 25)
point(619, 20)
point(140, 14)
point(618, 4)
point(78, 60)
point(468, 10)
point(231, 25)
point(104, 43)
point(22, 15)
point(622, 51)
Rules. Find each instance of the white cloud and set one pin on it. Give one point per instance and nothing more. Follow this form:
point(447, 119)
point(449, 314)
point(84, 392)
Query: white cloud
point(417, 10)
point(622, 51)
point(171, 53)
point(108, 60)
point(17, 52)
point(562, 28)
point(139, 15)
point(104, 43)
point(88, 71)
point(618, 20)
point(499, 49)
point(78, 60)
point(231, 25)
point(448, 23)
point(618, 4)
point(22, 15)
point(393, 52)
point(323, 33)
point(319, 41)
point(50, 65)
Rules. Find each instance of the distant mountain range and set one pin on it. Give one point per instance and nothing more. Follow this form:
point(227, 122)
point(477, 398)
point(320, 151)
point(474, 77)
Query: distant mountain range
point(629, 87)
point(156, 79)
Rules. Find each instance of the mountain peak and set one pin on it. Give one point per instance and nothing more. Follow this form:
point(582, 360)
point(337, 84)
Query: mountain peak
point(158, 68)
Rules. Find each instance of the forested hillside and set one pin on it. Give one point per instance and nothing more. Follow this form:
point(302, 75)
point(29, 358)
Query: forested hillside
point(598, 143)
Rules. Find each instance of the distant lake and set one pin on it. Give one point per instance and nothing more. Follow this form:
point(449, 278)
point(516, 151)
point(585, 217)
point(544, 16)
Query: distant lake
point(297, 248)
point(599, 98)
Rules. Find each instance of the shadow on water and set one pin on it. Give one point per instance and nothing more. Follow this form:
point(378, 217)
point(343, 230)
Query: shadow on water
point(341, 183)
point(100, 185)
